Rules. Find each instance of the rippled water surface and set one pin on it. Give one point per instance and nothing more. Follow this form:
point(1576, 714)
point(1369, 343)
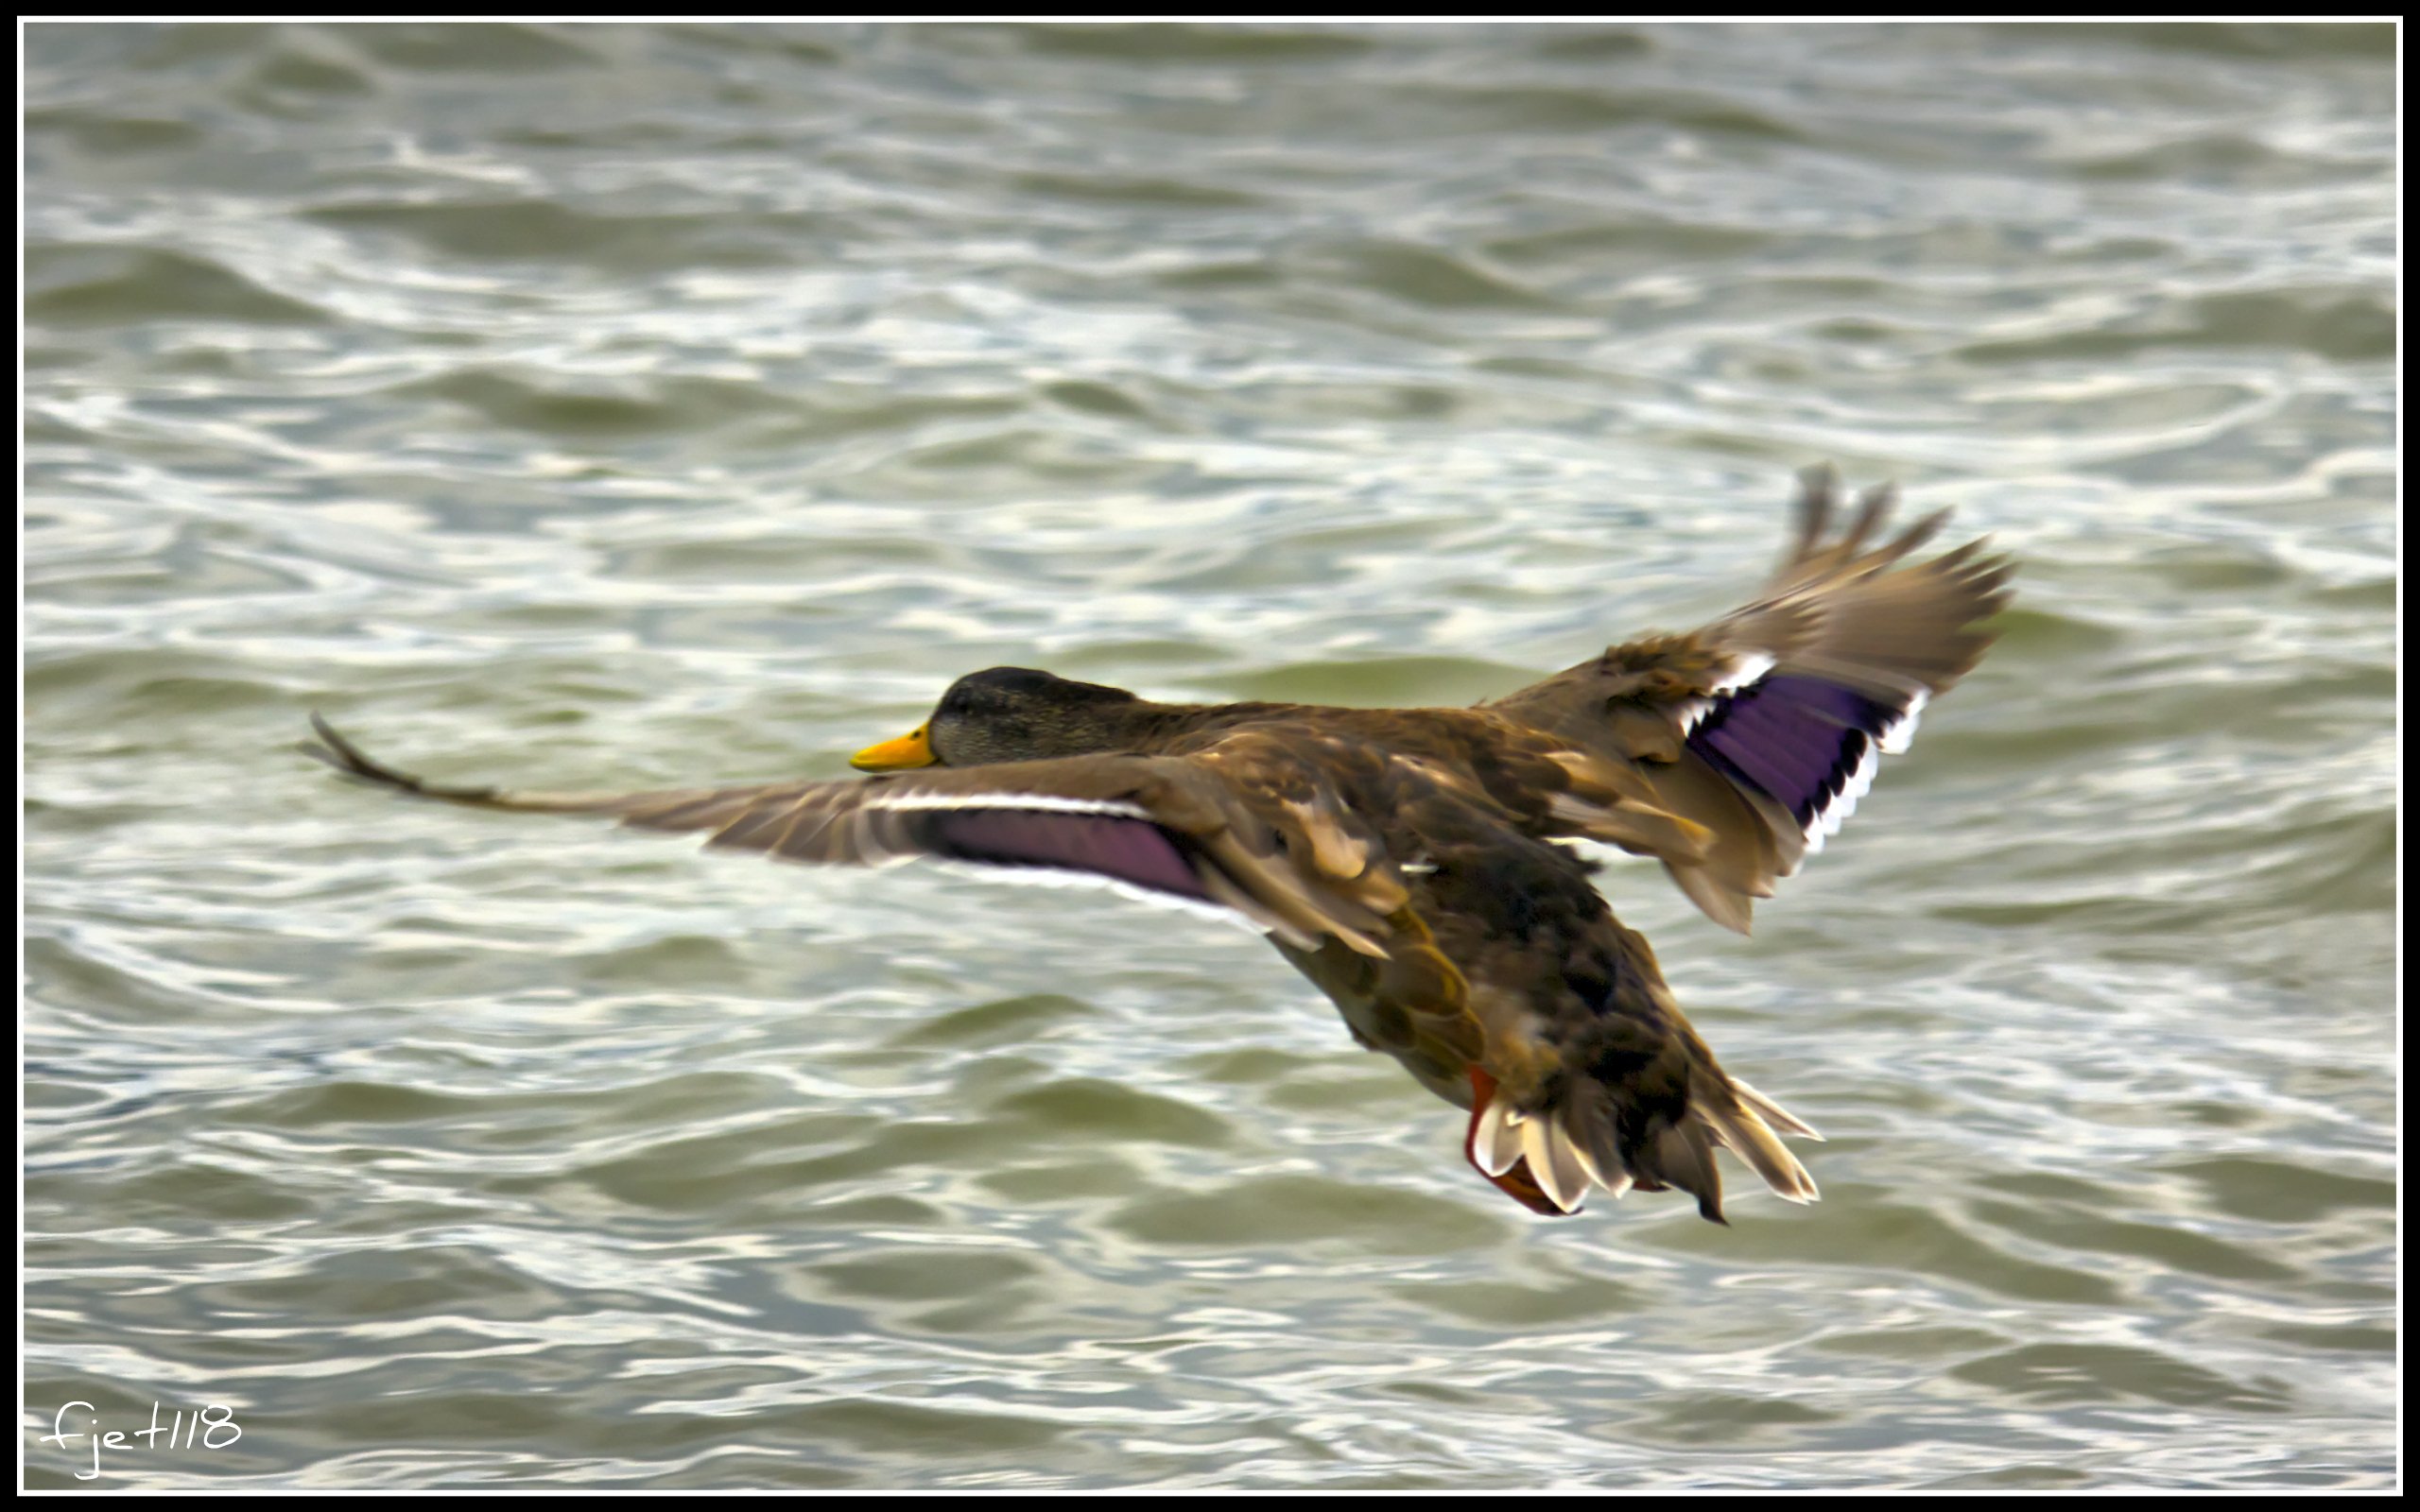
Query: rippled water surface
point(639, 406)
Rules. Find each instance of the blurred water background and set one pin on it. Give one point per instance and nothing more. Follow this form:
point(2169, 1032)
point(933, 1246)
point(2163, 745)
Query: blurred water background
point(633, 406)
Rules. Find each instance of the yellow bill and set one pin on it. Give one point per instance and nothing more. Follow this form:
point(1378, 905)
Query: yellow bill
point(912, 750)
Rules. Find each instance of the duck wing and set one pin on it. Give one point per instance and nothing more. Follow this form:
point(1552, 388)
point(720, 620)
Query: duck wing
point(1235, 827)
point(1766, 727)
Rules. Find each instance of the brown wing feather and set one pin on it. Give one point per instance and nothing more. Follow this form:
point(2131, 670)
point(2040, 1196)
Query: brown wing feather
point(1185, 826)
point(1762, 726)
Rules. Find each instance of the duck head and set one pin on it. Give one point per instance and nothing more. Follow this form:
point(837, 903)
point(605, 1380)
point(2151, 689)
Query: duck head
point(1010, 714)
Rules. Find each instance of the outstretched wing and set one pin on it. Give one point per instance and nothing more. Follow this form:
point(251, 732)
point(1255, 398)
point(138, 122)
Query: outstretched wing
point(1174, 828)
point(1767, 726)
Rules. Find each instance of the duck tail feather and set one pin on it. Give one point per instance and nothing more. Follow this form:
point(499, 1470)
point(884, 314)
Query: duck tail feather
point(1495, 1144)
point(1781, 1118)
point(1585, 1124)
point(1681, 1155)
point(1553, 1165)
point(1736, 1124)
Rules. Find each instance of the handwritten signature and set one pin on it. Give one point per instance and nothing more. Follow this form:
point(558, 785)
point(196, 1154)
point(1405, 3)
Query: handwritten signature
point(200, 1429)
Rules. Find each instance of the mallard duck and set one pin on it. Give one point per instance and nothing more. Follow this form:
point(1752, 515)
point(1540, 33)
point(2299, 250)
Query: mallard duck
point(1408, 861)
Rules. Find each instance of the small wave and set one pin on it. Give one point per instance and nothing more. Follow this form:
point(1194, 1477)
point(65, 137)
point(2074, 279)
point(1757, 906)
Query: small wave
point(92, 284)
point(2339, 322)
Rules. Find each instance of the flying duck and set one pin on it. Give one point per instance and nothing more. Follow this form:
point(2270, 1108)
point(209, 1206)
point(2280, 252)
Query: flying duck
point(1408, 861)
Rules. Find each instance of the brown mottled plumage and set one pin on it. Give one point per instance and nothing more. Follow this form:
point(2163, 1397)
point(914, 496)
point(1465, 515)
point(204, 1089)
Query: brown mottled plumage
point(1406, 860)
